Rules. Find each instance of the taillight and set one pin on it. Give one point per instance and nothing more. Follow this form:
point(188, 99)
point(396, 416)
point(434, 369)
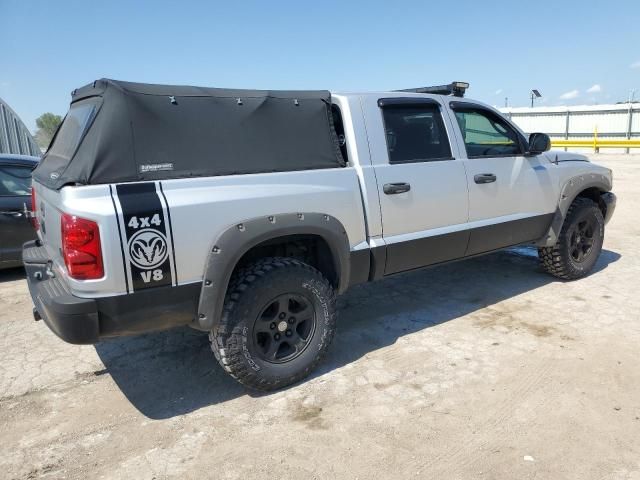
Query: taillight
point(34, 218)
point(81, 247)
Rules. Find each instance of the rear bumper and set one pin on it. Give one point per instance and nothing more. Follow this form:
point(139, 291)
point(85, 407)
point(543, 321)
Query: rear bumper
point(73, 319)
point(609, 199)
point(88, 320)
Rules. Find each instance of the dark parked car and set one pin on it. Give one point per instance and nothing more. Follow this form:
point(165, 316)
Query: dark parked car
point(15, 198)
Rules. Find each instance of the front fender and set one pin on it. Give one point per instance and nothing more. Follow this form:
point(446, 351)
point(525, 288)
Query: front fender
point(238, 239)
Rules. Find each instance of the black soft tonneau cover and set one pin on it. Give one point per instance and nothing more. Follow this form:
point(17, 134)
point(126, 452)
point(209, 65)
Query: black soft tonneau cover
point(152, 132)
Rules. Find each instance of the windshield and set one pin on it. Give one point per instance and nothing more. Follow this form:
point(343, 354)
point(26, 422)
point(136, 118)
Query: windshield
point(75, 123)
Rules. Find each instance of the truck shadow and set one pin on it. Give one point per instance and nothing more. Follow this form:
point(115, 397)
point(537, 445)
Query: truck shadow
point(171, 373)
point(11, 274)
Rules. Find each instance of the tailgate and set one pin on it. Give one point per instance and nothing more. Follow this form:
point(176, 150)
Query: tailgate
point(48, 212)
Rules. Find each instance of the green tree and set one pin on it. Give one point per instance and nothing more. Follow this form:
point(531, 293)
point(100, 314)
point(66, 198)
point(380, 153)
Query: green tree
point(47, 124)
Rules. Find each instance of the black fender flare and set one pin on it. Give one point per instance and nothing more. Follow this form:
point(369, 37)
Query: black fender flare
point(570, 190)
point(231, 245)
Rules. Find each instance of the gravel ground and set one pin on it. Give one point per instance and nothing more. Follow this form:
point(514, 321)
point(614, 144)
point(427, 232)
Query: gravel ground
point(487, 368)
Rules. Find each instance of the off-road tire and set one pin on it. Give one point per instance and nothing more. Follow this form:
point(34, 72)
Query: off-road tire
point(233, 339)
point(558, 259)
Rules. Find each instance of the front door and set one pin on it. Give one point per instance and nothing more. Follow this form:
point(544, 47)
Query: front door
point(15, 228)
point(510, 194)
point(421, 186)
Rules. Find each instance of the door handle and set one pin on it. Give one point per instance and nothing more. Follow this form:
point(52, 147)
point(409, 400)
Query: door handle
point(484, 178)
point(395, 188)
point(12, 214)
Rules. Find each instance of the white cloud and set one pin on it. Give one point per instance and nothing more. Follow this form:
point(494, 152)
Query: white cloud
point(595, 89)
point(570, 95)
point(499, 91)
point(635, 64)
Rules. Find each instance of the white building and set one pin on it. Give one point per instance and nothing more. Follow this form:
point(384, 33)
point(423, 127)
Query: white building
point(581, 122)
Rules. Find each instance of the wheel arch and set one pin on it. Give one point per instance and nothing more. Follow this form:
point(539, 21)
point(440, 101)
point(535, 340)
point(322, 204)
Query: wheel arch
point(594, 193)
point(258, 237)
point(591, 186)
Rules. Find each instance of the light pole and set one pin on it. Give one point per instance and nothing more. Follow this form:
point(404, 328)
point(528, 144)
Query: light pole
point(534, 94)
point(632, 94)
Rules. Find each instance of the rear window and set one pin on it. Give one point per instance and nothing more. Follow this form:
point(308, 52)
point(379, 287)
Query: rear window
point(15, 181)
point(70, 133)
point(415, 133)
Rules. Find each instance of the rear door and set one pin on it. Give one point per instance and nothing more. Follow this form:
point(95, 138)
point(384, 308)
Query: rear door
point(510, 194)
point(15, 228)
point(422, 187)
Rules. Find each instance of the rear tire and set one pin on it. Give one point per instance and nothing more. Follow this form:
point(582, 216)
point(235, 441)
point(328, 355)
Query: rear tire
point(579, 244)
point(278, 320)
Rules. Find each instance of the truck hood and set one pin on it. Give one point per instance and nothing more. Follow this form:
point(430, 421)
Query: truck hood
point(563, 156)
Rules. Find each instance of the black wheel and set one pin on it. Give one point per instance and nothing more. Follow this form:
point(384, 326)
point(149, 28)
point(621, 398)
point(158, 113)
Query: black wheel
point(579, 244)
point(278, 320)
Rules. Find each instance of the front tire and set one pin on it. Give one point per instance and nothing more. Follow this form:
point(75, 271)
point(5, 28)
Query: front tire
point(278, 320)
point(579, 244)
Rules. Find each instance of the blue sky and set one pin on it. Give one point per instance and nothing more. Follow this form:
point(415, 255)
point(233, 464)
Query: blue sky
point(503, 48)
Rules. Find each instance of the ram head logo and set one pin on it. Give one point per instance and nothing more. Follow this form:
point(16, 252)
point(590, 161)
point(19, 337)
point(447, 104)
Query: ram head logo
point(148, 249)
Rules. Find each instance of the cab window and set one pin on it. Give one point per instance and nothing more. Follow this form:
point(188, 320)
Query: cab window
point(486, 134)
point(338, 126)
point(415, 133)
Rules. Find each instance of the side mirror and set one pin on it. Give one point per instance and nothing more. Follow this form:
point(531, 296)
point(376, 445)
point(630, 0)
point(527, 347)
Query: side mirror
point(538, 143)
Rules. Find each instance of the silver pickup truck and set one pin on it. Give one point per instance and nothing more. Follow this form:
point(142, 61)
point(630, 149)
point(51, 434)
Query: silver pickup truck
point(243, 213)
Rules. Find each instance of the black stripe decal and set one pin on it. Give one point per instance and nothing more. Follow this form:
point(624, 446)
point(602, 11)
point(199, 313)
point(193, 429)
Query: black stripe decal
point(124, 261)
point(145, 229)
point(173, 243)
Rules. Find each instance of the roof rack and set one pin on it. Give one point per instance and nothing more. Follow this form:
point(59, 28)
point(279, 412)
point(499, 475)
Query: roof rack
point(456, 89)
